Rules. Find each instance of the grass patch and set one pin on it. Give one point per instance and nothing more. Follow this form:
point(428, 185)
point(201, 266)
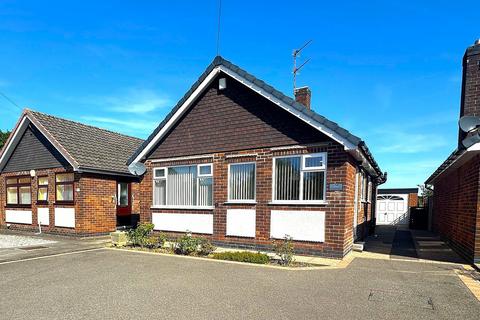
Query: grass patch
point(242, 256)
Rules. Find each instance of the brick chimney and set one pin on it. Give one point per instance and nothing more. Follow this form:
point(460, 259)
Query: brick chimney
point(303, 96)
point(470, 98)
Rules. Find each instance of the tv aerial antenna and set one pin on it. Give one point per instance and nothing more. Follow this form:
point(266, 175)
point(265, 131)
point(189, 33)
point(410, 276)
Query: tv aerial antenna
point(296, 54)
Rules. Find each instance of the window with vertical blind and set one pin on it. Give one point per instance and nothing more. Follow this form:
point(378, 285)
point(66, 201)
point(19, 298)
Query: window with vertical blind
point(19, 191)
point(241, 182)
point(183, 186)
point(300, 178)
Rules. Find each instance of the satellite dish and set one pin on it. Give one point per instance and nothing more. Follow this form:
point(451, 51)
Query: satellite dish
point(468, 123)
point(137, 168)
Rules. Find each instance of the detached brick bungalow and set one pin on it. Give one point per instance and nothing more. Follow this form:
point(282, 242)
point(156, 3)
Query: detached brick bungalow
point(456, 183)
point(240, 162)
point(66, 176)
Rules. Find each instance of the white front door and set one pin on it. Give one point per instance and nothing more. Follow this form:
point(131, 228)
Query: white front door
point(392, 209)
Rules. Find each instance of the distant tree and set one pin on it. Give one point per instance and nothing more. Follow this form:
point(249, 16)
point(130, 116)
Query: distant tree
point(3, 137)
point(425, 193)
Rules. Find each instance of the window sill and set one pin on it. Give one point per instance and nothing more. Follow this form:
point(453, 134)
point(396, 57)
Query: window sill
point(182, 207)
point(299, 203)
point(240, 202)
point(64, 203)
point(41, 203)
point(18, 206)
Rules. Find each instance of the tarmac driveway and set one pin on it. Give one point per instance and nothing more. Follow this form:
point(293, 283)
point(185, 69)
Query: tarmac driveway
point(109, 284)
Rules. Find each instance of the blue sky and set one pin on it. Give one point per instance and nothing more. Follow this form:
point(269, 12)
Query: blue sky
point(390, 72)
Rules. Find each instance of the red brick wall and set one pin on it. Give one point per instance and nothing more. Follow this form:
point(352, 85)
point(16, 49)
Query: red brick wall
point(339, 210)
point(95, 209)
point(456, 206)
point(51, 201)
point(412, 200)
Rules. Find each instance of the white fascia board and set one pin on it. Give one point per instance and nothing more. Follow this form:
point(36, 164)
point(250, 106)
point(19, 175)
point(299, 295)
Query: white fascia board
point(322, 128)
point(54, 142)
point(17, 135)
point(178, 114)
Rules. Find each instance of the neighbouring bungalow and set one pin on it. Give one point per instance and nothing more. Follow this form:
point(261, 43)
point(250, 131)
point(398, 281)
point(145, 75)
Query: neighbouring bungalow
point(456, 183)
point(242, 164)
point(66, 177)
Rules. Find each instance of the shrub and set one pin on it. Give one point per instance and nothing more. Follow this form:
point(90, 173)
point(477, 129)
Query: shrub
point(139, 235)
point(285, 250)
point(155, 241)
point(242, 256)
point(187, 244)
point(206, 247)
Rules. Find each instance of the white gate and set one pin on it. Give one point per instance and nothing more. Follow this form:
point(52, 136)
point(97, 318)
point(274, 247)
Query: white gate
point(392, 209)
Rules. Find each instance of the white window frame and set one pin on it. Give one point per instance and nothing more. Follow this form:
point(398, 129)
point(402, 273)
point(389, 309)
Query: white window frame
point(255, 187)
point(363, 187)
point(167, 206)
point(302, 170)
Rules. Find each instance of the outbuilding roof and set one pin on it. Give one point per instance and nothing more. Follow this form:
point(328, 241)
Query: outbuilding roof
point(86, 148)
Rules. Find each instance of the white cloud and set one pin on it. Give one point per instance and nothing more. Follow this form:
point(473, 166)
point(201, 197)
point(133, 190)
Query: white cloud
point(136, 128)
point(404, 174)
point(402, 142)
point(136, 101)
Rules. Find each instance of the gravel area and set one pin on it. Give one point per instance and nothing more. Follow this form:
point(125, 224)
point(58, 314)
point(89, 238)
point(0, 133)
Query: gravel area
point(13, 241)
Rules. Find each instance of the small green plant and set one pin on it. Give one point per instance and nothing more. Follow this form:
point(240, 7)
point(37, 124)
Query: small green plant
point(285, 250)
point(139, 235)
point(156, 241)
point(206, 247)
point(242, 256)
point(187, 244)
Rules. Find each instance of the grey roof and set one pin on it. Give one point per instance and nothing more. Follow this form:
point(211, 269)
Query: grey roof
point(397, 190)
point(93, 149)
point(219, 61)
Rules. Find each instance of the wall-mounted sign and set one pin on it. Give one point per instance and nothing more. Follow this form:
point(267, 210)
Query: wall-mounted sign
point(335, 186)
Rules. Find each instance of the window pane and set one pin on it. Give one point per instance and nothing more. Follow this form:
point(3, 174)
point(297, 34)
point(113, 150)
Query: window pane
point(159, 193)
point(25, 195)
point(313, 185)
point(24, 180)
point(312, 162)
point(159, 173)
point(12, 196)
point(205, 191)
point(205, 170)
point(287, 178)
point(42, 194)
point(182, 186)
point(242, 181)
point(12, 181)
point(65, 192)
point(43, 181)
point(64, 177)
point(123, 194)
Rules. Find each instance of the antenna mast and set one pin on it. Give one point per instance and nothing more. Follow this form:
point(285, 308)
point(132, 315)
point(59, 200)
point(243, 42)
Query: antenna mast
point(296, 53)
point(218, 27)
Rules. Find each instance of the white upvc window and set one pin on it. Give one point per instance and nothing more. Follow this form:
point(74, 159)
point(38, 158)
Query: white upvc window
point(242, 182)
point(300, 178)
point(188, 186)
point(363, 186)
point(370, 188)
